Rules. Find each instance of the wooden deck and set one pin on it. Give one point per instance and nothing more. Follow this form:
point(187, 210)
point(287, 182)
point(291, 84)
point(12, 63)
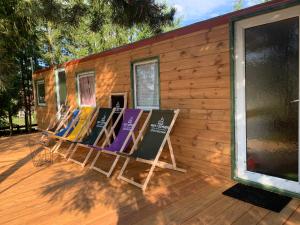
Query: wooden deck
point(63, 193)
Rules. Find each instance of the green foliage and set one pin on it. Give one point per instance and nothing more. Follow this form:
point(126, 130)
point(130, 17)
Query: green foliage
point(55, 31)
point(105, 25)
point(239, 4)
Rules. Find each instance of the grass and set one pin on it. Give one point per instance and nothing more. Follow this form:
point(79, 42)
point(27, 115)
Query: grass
point(21, 121)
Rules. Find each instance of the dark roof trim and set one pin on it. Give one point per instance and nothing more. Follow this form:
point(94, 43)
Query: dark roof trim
point(206, 24)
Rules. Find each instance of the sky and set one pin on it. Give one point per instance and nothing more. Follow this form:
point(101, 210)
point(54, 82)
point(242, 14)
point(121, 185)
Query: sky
point(191, 11)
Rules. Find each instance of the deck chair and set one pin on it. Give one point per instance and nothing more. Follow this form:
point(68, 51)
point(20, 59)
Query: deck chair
point(62, 130)
point(79, 128)
point(59, 120)
point(150, 143)
point(121, 140)
point(100, 124)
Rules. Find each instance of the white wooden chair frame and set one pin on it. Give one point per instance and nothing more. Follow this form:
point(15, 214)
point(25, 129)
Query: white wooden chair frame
point(55, 137)
point(103, 131)
point(117, 157)
point(79, 136)
point(156, 161)
point(53, 122)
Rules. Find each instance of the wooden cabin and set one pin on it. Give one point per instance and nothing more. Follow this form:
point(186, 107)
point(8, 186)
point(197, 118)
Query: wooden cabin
point(235, 79)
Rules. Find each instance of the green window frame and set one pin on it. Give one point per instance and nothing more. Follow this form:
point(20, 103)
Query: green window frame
point(40, 93)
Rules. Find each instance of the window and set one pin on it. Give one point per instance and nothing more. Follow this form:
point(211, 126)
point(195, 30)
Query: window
point(61, 87)
point(86, 89)
point(146, 85)
point(40, 92)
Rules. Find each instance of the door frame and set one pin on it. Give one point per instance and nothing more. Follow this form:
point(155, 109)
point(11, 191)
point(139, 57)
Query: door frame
point(237, 26)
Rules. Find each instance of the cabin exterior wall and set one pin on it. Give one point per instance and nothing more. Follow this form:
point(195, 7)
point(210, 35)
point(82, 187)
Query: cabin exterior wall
point(194, 77)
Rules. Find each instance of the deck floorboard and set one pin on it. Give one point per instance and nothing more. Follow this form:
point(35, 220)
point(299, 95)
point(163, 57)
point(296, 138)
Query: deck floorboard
point(65, 194)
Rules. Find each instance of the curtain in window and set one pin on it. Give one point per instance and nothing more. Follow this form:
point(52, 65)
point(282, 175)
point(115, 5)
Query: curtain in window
point(147, 92)
point(87, 90)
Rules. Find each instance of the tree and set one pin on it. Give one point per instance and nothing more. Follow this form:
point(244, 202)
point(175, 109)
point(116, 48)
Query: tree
point(54, 31)
point(105, 24)
point(10, 99)
point(239, 4)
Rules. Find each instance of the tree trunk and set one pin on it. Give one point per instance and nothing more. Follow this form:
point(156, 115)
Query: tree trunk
point(30, 120)
point(11, 127)
point(24, 97)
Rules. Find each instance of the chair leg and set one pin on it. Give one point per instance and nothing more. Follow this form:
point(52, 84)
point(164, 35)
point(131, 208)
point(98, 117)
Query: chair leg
point(148, 176)
point(87, 157)
point(72, 153)
point(68, 151)
point(123, 168)
point(171, 152)
point(95, 159)
point(108, 174)
point(56, 147)
point(113, 166)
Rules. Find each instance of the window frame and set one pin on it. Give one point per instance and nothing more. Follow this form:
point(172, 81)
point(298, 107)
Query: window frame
point(38, 82)
point(133, 81)
point(57, 86)
point(80, 75)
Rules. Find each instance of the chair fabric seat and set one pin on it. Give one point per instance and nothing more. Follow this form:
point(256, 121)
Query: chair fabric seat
point(64, 130)
point(101, 120)
point(156, 131)
point(130, 117)
point(77, 131)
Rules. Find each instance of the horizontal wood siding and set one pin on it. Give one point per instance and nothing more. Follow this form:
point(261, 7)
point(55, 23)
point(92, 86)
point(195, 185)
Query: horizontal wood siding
point(45, 113)
point(194, 77)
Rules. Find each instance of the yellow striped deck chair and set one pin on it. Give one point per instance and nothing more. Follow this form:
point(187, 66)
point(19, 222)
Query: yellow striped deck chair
point(80, 128)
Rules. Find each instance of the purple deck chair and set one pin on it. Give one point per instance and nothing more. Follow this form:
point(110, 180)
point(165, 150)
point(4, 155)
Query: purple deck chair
point(121, 141)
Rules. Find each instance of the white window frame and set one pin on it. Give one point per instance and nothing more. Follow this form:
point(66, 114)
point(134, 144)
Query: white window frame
point(240, 101)
point(81, 75)
point(38, 82)
point(135, 87)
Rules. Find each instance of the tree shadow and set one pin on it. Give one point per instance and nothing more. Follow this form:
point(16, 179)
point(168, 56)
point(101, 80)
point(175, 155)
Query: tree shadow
point(22, 179)
point(16, 166)
point(87, 191)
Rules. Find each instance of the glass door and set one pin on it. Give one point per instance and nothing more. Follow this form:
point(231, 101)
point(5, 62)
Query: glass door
point(267, 99)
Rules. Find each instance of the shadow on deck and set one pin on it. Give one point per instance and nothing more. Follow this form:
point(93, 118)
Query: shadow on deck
point(64, 193)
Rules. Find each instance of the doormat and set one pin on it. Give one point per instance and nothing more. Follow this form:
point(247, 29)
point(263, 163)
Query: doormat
point(258, 197)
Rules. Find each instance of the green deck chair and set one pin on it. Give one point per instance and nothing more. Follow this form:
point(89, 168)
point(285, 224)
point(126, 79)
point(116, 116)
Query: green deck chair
point(150, 143)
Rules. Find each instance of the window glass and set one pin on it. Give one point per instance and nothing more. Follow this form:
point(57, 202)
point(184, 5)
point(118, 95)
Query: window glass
point(62, 87)
point(40, 89)
point(272, 98)
point(86, 89)
point(146, 85)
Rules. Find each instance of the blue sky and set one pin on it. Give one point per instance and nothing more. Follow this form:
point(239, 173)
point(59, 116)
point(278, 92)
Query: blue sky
point(191, 11)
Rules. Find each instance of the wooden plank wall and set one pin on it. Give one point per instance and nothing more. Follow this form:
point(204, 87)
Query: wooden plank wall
point(194, 76)
point(45, 113)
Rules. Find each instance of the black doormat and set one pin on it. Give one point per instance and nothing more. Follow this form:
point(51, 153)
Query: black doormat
point(258, 197)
